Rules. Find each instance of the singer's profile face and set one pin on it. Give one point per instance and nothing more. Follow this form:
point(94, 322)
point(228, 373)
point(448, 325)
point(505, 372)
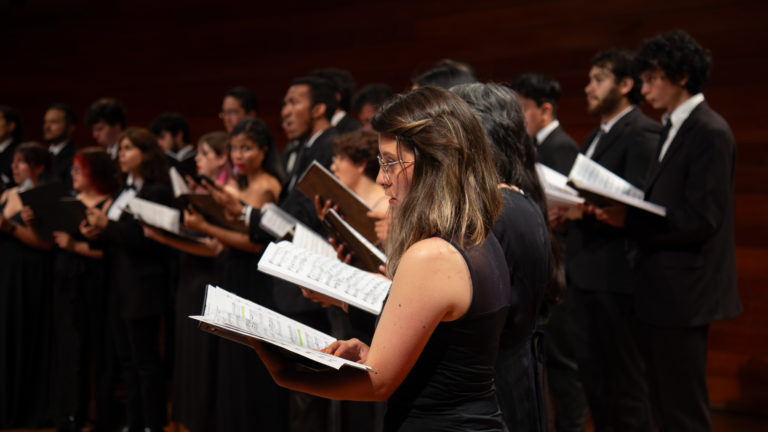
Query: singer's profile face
point(395, 169)
point(129, 157)
point(208, 162)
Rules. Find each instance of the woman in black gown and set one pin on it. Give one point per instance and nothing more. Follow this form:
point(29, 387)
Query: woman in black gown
point(26, 300)
point(449, 285)
point(138, 277)
point(247, 398)
point(80, 302)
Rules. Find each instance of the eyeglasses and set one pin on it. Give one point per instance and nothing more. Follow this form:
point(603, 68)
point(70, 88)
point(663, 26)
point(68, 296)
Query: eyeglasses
point(385, 165)
point(229, 113)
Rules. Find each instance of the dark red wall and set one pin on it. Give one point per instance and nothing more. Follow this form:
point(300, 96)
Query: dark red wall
point(183, 55)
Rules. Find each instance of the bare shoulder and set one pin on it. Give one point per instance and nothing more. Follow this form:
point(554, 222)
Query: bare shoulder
point(439, 271)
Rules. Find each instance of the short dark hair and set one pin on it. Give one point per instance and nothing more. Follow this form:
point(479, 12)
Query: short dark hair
point(373, 94)
point(99, 168)
point(444, 77)
point(622, 65)
point(361, 147)
point(172, 122)
point(36, 155)
point(108, 110)
point(457, 64)
point(539, 88)
point(69, 113)
point(343, 81)
point(677, 54)
point(12, 116)
point(246, 97)
point(321, 91)
point(154, 166)
point(258, 132)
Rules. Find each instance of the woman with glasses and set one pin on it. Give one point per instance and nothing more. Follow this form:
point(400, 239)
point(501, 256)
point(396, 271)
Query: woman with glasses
point(449, 278)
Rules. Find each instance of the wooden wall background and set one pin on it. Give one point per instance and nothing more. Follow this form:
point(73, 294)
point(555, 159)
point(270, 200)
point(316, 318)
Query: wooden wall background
point(183, 55)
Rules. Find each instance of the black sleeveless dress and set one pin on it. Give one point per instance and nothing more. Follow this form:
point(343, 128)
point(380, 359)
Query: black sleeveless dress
point(451, 386)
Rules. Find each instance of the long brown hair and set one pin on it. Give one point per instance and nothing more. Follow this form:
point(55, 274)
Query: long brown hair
point(454, 192)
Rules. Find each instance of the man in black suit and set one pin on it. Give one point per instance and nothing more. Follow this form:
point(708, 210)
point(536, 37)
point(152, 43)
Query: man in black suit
point(172, 132)
point(685, 274)
point(599, 269)
point(58, 126)
point(106, 118)
point(11, 135)
point(539, 95)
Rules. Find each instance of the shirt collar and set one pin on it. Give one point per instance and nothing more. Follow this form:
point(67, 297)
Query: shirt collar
point(337, 116)
point(546, 130)
point(184, 151)
point(606, 127)
point(681, 113)
point(313, 138)
point(4, 145)
point(55, 149)
point(137, 183)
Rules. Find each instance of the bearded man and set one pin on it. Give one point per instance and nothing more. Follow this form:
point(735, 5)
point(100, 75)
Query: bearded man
point(598, 262)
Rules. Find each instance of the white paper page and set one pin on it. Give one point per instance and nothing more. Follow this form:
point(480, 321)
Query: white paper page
point(379, 254)
point(118, 206)
point(180, 186)
point(626, 199)
point(585, 170)
point(304, 237)
point(156, 215)
point(234, 313)
point(558, 198)
point(325, 275)
point(276, 221)
point(552, 179)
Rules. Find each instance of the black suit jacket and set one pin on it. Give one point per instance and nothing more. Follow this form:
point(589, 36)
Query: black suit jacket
point(686, 272)
point(138, 267)
point(62, 164)
point(558, 151)
point(288, 298)
point(599, 256)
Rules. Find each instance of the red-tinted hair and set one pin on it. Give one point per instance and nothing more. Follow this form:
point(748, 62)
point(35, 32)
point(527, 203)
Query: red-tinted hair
point(98, 168)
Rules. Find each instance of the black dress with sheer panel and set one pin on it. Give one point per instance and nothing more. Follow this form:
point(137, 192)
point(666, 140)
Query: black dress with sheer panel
point(451, 386)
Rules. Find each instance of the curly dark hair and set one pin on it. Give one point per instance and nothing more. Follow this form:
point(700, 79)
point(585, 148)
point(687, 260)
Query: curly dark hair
point(361, 147)
point(538, 87)
point(678, 55)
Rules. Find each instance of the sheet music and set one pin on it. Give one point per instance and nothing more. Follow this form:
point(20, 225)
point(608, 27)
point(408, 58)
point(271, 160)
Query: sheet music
point(558, 198)
point(304, 237)
point(370, 246)
point(234, 313)
point(117, 207)
point(180, 186)
point(156, 215)
point(585, 170)
point(328, 276)
point(276, 221)
point(551, 179)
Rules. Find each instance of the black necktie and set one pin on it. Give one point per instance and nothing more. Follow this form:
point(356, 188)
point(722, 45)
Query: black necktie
point(663, 137)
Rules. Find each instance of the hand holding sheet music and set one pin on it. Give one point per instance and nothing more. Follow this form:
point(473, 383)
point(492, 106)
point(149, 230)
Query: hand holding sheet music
point(238, 319)
point(598, 183)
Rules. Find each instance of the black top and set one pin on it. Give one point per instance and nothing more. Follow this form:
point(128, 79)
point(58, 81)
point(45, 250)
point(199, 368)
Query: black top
point(558, 151)
point(451, 386)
